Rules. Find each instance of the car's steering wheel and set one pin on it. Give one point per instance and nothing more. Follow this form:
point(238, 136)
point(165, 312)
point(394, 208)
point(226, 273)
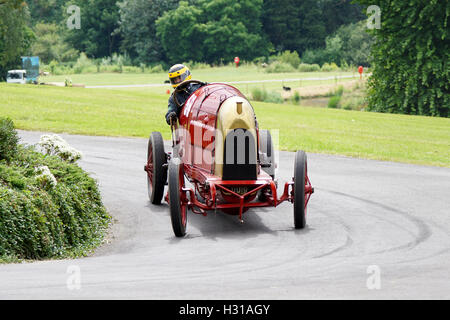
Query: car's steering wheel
point(183, 86)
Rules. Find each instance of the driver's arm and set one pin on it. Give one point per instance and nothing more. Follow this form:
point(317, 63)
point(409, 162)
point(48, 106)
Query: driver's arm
point(172, 108)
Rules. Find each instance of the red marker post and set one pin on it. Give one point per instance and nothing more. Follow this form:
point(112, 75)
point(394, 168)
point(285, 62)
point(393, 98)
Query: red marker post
point(360, 70)
point(237, 61)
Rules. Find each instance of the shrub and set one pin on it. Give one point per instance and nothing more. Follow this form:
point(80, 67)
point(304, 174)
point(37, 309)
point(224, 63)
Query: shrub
point(84, 64)
point(318, 56)
point(296, 99)
point(49, 208)
point(56, 146)
point(260, 60)
point(334, 102)
point(265, 96)
point(157, 69)
point(259, 94)
point(8, 139)
point(291, 58)
point(304, 67)
point(339, 91)
point(327, 67)
point(280, 67)
point(45, 218)
point(274, 97)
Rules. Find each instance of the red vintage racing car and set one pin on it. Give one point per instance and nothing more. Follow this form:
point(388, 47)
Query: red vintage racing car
point(228, 162)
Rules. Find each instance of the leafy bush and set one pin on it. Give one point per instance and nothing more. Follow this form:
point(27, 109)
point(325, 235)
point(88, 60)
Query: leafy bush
point(84, 64)
point(339, 91)
point(280, 67)
point(318, 56)
point(57, 146)
point(327, 67)
point(8, 139)
point(49, 208)
point(334, 102)
point(296, 99)
point(157, 69)
point(265, 96)
point(274, 97)
point(304, 67)
point(291, 58)
point(259, 94)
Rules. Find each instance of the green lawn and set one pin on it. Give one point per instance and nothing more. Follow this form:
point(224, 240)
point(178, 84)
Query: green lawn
point(218, 74)
point(136, 113)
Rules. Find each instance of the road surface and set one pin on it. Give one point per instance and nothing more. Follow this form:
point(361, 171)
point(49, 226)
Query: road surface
point(376, 230)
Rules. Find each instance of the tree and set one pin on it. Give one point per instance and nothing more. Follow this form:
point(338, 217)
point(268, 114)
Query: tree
point(97, 36)
point(15, 36)
point(213, 31)
point(350, 44)
point(47, 11)
point(49, 44)
point(336, 13)
point(138, 30)
point(304, 24)
point(411, 57)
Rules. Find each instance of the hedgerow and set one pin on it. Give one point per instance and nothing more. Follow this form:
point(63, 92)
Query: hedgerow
point(40, 220)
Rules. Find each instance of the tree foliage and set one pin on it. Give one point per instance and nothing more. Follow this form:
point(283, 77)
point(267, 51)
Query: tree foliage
point(15, 35)
point(50, 44)
point(411, 57)
point(137, 26)
point(97, 36)
point(212, 31)
point(350, 44)
point(304, 24)
point(336, 13)
point(47, 11)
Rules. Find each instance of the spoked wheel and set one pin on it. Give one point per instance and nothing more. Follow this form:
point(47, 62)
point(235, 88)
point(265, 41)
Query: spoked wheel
point(177, 202)
point(156, 172)
point(300, 174)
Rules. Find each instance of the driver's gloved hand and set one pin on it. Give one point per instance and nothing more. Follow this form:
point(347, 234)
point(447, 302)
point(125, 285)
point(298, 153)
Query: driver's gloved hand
point(173, 116)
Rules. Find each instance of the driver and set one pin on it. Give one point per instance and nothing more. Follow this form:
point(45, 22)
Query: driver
point(178, 74)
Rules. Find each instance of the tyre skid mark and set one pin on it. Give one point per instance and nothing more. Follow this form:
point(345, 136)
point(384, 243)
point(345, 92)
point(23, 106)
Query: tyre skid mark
point(424, 231)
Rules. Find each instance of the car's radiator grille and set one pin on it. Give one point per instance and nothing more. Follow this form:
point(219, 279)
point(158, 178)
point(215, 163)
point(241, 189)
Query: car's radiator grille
point(240, 156)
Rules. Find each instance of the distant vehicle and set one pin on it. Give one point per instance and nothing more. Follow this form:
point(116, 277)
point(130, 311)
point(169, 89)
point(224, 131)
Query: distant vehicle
point(17, 76)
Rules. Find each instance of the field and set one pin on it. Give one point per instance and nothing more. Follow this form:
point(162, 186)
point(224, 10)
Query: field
point(137, 112)
point(222, 74)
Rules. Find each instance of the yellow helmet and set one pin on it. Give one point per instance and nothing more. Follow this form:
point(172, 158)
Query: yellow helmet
point(178, 74)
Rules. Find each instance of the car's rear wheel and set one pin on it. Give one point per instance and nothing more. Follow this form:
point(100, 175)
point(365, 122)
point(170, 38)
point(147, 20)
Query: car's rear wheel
point(300, 173)
point(177, 202)
point(156, 170)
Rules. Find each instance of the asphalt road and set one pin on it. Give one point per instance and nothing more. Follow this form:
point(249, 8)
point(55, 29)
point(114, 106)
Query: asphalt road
point(376, 230)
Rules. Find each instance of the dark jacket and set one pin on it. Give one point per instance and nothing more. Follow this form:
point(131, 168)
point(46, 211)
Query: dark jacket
point(181, 97)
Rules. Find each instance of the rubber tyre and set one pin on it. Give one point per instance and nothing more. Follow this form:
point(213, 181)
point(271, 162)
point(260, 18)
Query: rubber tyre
point(299, 189)
point(156, 157)
point(178, 211)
